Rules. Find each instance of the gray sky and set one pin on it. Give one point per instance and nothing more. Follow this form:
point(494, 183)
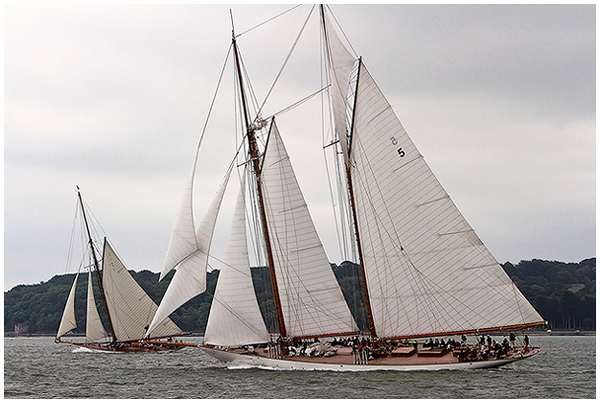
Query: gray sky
point(499, 99)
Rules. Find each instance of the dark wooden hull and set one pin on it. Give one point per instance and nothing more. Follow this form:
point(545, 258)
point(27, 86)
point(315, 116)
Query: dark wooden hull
point(141, 346)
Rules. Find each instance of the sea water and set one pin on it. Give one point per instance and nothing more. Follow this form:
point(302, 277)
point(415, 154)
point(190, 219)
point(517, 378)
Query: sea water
point(39, 368)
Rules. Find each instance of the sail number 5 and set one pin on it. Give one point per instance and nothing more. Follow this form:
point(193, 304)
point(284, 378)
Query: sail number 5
point(394, 141)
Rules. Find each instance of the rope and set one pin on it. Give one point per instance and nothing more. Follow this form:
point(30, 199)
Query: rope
point(269, 20)
point(287, 58)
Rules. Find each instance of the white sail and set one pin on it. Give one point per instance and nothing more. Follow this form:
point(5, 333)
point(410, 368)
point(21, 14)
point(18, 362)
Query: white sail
point(235, 317)
point(427, 271)
point(183, 241)
point(67, 322)
point(131, 308)
point(190, 277)
point(311, 299)
point(341, 65)
point(94, 330)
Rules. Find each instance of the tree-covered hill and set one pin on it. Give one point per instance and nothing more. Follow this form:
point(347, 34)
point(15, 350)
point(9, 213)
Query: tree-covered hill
point(563, 293)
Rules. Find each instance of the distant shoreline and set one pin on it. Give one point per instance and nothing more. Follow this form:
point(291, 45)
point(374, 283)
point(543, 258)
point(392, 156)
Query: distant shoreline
point(530, 333)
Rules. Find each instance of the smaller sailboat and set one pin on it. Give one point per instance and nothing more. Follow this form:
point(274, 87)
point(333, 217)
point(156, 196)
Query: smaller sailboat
point(128, 309)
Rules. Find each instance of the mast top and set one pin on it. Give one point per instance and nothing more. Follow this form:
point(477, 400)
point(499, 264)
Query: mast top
point(232, 24)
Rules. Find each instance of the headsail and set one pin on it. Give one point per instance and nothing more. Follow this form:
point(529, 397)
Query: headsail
point(94, 330)
point(311, 298)
point(190, 278)
point(67, 321)
point(235, 317)
point(426, 269)
point(183, 242)
point(131, 309)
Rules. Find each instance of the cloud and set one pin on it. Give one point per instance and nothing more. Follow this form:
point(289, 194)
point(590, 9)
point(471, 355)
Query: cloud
point(500, 100)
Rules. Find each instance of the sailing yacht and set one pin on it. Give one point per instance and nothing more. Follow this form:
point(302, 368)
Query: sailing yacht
point(126, 306)
point(425, 272)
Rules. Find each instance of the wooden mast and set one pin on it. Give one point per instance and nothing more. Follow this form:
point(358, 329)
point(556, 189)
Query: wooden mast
point(97, 267)
point(351, 192)
point(354, 217)
point(255, 157)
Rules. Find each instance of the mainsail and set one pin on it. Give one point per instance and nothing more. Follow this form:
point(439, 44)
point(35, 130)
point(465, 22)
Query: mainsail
point(427, 271)
point(131, 309)
point(235, 318)
point(311, 298)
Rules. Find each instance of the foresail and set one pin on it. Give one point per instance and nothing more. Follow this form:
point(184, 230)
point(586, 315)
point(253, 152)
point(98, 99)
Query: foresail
point(235, 317)
point(131, 309)
point(311, 299)
point(427, 270)
point(183, 241)
point(190, 277)
point(94, 330)
point(67, 322)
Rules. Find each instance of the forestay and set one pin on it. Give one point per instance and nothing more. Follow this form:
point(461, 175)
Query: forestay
point(235, 317)
point(130, 308)
point(311, 299)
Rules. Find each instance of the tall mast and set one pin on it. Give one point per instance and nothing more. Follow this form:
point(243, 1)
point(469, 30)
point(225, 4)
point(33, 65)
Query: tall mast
point(351, 191)
point(255, 157)
point(96, 266)
point(354, 217)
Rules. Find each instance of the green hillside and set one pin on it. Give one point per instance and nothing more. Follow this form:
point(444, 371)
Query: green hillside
point(563, 293)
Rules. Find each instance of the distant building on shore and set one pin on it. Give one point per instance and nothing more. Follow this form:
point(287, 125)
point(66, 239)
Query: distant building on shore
point(21, 328)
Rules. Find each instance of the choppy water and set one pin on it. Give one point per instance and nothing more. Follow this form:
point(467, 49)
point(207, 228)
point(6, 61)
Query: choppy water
point(38, 368)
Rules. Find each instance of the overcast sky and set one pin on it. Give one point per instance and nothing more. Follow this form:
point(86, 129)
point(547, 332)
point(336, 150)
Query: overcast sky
point(499, 99)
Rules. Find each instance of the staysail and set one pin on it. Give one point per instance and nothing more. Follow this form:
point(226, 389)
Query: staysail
point(94, 330)
point(190, 277)
point(131, 309)
point(311, 299)
point(427, 270)
point(67, 322)
point(235, 317)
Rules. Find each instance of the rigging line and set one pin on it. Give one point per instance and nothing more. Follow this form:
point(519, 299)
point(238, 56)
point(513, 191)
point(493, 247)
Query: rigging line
point(72, 240)
point(212, 104)
point(227, 265)
point(269, 20)
point(300, 102)
point(287, 58)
